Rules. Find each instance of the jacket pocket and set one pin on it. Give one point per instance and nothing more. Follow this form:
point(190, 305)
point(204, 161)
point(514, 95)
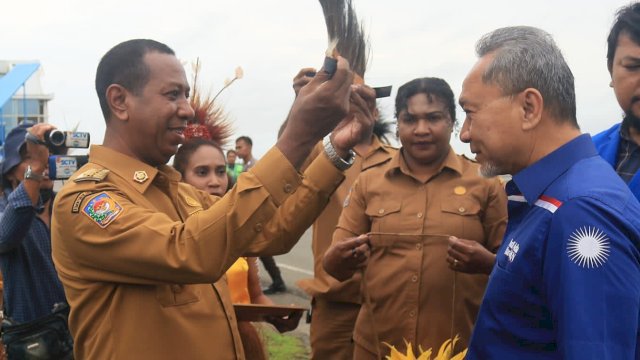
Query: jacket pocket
point(385, 217)
point(462, 217)
point(175, 295)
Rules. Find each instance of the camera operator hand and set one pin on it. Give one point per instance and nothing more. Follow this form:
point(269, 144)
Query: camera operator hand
point(37, 155)
point(319, 107)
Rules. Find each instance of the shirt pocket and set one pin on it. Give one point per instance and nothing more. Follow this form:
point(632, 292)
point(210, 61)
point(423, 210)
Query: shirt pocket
point(462, 217)
point(385, 218)
point(175, 294)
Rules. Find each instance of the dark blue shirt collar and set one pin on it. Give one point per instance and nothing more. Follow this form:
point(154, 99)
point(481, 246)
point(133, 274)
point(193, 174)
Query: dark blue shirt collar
point(536, 178)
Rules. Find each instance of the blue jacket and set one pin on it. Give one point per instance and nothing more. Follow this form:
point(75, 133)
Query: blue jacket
point(566, 284)
point(606, 144)
point(31, 284)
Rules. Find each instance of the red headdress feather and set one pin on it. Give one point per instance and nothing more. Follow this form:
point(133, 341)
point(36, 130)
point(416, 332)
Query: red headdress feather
point(210, 121)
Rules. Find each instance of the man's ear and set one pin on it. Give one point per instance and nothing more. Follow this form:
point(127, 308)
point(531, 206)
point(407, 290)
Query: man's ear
point(532, 106)
point(117, 100)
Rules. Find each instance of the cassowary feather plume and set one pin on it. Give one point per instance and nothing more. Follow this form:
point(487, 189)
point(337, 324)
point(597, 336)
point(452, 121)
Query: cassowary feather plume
point(348, 36)
point(347, 33)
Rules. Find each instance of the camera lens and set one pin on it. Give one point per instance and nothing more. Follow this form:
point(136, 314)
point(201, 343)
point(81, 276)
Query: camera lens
point(55, 137)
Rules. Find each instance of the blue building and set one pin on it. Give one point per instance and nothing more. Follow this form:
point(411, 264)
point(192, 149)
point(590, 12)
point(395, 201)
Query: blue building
point(21, 95)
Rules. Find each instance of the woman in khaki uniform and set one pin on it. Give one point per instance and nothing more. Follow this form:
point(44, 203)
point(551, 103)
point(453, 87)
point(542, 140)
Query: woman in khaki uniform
point(409, 207)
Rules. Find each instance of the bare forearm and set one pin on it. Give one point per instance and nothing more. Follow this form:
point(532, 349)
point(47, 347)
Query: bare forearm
point(296, 149)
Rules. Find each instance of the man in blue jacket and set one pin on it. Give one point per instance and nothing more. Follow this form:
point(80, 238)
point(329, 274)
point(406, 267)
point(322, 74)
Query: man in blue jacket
point(620, 145)
point(566, 281)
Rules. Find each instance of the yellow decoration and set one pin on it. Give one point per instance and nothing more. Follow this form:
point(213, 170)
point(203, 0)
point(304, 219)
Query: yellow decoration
point(460, 190)
point(445, 352)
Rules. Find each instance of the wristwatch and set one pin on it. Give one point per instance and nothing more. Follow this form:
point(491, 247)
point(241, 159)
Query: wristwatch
point(340, 163)
point(29, 174)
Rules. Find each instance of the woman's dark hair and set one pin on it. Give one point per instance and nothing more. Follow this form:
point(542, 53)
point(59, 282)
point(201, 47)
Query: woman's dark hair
point(430, 86)
point(383, 129)
point(187, 149)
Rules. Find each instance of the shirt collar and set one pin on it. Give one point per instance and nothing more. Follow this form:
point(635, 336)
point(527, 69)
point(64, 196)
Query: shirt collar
point(398, 164)
point(536, 178)
point(125, 167)
point(378, 153)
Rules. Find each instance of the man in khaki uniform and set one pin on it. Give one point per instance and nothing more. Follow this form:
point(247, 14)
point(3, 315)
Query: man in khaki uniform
point(138, 251)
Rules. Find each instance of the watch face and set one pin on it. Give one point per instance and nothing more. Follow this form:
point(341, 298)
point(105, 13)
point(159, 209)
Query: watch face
point(29, 174)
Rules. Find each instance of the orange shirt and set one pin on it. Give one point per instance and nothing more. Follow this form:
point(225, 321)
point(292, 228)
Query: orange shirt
point(407, 280)
point(238, 280)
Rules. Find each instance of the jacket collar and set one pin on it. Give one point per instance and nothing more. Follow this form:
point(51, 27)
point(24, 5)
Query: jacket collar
point(398, 164)
point(536, 178)
point(378, 154)
point(127, 167)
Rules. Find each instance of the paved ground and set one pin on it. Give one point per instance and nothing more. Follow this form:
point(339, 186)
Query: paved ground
point(296, 265)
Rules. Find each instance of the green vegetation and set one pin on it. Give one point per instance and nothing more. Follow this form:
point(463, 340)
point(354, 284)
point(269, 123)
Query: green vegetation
point(283, 346)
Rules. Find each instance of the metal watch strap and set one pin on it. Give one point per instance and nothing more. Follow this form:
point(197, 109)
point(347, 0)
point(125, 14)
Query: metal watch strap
point(29, 174)
point(340, 163)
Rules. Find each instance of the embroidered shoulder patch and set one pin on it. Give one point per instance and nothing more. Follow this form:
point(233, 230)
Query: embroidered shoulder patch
point(78, 201)
point(588, 247)
point(96, 175)
point(102, 209)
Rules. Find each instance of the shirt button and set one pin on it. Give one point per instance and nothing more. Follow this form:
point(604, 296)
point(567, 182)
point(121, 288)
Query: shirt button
point(461, 209)
point(288, 188)
point(412, 313)
point(381, 211)
point(419, 215)
point(176, 289)
point(418, 246)
point(258, 227)
point(414, 278)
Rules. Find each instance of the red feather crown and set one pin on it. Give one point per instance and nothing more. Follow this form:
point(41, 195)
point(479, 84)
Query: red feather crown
point(210, 121)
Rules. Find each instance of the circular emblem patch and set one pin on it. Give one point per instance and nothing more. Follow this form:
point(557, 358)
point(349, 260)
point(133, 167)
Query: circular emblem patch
point(460, 190)
point(588, 247)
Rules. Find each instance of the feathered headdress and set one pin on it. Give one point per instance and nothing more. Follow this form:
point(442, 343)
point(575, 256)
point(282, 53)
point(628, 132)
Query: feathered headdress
point(209, 121)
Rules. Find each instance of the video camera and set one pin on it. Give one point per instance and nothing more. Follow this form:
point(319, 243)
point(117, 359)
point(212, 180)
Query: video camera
point(62, 166)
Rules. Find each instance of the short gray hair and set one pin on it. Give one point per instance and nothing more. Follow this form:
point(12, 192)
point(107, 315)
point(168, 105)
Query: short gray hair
point(527, 57)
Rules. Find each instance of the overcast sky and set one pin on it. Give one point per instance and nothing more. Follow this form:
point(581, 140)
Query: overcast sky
point(272, 40)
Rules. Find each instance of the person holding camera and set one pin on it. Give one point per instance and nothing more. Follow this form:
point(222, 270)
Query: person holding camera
point(31, 285)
